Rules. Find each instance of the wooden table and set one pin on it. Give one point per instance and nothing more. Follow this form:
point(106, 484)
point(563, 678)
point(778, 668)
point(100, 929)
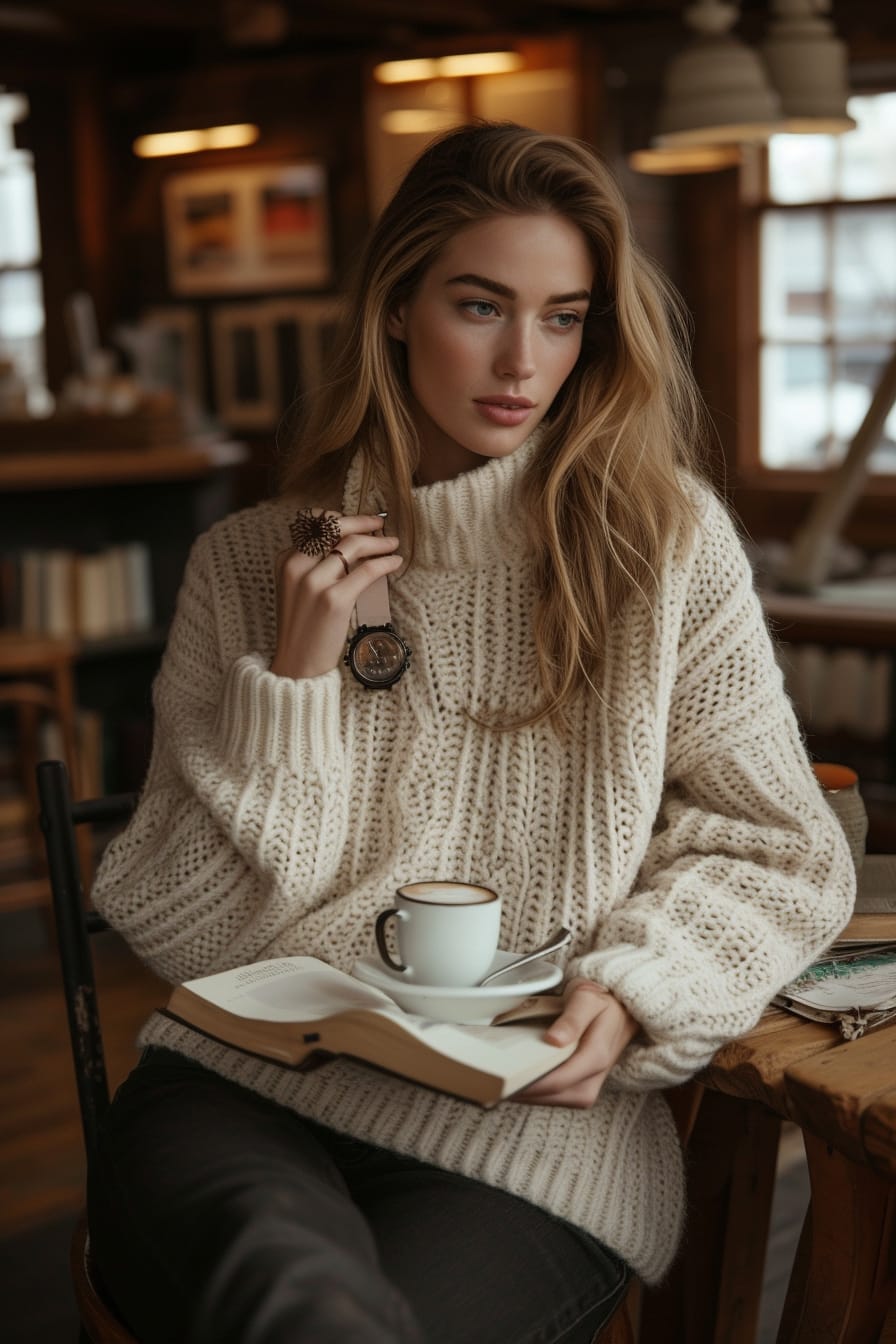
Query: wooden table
point(843, 1097)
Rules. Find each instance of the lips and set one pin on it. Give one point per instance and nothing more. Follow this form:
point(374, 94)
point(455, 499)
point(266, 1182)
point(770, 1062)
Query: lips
point(511, 403)
point(504, 411)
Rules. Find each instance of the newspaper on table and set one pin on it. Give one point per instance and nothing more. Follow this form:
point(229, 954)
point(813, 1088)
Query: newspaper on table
point(854, 984)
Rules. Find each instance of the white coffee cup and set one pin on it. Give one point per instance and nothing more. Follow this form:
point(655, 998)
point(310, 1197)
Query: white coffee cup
point(447, 932)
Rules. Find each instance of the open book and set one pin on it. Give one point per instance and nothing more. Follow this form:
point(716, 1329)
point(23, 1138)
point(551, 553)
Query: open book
point(854, 984)
point(293, 1009)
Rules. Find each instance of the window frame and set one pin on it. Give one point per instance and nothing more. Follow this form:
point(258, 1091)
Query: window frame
point(756, 199)
point(751, 455)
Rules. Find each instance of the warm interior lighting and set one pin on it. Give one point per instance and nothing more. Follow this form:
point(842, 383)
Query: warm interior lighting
point(448, 67)
point(685, 159)
point(418, 120)
point(231, 137)
point(404, 72)
point(192, 142)
point(479, 63)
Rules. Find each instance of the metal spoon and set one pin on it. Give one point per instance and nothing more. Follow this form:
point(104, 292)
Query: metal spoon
point(559, 938)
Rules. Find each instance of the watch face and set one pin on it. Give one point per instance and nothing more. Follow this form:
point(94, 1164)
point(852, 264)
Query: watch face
point(378, 657)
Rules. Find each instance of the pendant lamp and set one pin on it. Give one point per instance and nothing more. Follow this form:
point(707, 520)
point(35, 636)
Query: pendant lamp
point(716, 90)
point(807, 63)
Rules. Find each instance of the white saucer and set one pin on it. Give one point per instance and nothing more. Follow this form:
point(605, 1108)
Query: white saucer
point(462, 1004)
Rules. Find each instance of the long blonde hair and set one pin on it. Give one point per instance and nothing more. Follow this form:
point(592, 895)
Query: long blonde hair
point(605, 493)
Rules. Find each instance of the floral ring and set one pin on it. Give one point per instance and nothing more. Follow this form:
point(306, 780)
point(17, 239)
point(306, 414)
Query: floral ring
point(315, 533)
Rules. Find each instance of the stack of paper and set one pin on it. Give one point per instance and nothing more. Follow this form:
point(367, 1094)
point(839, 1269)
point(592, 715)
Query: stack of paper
point(855, 984)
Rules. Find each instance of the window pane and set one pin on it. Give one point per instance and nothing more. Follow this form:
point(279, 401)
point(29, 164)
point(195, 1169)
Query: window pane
point(796, 406)
point(864, 260)
point(868, 154)
point(802, 167)
point(857, 371)
point(860, 165)
point(795, 267)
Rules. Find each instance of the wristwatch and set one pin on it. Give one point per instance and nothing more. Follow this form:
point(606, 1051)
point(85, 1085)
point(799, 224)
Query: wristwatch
point(377, 655)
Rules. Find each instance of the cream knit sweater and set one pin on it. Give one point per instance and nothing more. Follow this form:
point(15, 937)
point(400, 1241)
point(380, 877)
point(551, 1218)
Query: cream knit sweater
point(681, 836)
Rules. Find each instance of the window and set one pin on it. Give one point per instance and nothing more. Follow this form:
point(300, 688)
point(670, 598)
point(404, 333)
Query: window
point(828, 289)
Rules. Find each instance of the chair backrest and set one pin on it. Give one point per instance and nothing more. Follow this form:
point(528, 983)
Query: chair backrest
point(59, 816)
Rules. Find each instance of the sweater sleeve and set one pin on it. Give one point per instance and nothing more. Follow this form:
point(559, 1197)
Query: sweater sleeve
point(243, 814)
point(747, 876)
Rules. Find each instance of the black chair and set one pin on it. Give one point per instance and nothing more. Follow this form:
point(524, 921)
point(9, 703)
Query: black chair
point(59, 817)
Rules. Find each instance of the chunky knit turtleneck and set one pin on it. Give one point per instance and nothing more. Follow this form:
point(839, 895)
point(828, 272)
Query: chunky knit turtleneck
point(677, 831)
point(470, 522)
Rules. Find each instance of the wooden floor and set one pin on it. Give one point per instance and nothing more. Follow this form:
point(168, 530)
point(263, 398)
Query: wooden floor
point(41, 1166)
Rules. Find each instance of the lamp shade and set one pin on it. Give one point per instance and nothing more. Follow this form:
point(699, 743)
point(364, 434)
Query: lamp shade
point(807, 63)
point(716, 91)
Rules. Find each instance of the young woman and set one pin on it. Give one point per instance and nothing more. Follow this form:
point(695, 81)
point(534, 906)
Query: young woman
point(591, 722)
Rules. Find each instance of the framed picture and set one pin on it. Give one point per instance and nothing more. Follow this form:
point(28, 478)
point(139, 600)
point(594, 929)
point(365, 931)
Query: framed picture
point(267, 355)
point(246, 395)
point(263, 227)
point(303, 332)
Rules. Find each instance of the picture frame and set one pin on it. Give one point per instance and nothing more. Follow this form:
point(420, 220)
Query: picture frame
point(257, 228)
point(243, 367)
point(268, 355)
point(302, 337)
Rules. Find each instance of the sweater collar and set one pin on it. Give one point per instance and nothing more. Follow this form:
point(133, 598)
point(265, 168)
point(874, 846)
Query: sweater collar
point(469, 520)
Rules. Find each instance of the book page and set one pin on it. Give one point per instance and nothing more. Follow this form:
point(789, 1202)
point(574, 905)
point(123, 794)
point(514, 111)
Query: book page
point(876, 893)
point(502, 1049)
point(290, 989)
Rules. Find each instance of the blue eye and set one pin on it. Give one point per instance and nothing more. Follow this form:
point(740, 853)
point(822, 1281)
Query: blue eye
point(480, 307)
point(567, 320)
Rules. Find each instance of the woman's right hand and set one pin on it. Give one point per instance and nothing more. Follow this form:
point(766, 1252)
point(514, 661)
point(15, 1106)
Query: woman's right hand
point(315, 596)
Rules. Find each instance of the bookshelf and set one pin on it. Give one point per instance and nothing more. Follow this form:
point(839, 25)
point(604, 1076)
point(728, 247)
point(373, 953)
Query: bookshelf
point(90, 499)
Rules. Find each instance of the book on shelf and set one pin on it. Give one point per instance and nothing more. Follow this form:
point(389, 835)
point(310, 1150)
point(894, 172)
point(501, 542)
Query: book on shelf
point(299, 1010)
point(117, 597)
point(31, 584)
point(59, 616)
point(854, 984)
point(138, 585)
point(92, 596)
point(86, 595)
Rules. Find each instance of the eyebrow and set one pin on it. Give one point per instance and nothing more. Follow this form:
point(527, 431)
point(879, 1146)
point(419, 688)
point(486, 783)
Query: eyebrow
point(574, 296)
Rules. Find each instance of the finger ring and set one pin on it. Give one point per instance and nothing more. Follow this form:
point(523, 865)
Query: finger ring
point(314, 533)
point(336, 551)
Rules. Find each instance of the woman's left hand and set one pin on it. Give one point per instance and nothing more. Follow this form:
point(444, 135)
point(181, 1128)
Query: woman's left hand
point(603, 1028)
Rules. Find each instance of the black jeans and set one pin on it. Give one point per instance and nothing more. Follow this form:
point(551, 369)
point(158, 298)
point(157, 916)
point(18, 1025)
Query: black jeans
point(218, 1217)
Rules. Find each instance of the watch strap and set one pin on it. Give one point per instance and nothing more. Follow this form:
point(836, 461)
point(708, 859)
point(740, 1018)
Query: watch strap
point(372, 607)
